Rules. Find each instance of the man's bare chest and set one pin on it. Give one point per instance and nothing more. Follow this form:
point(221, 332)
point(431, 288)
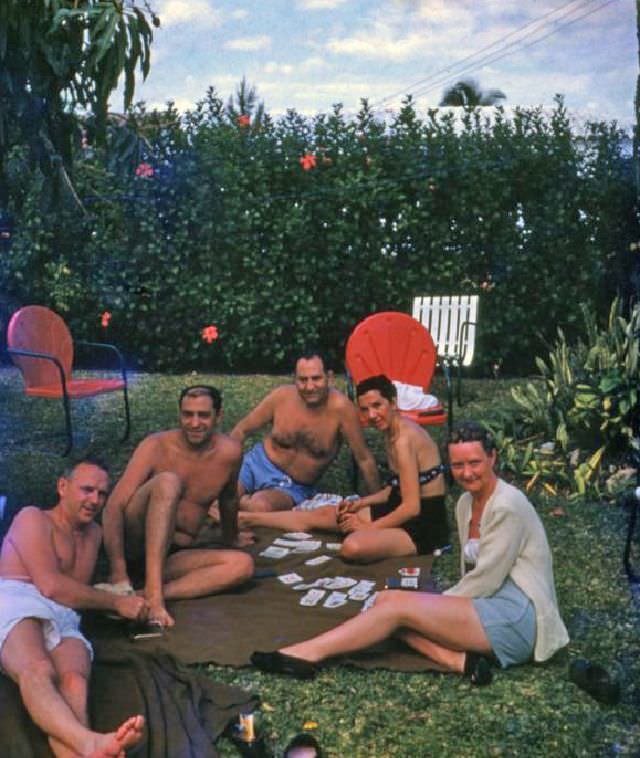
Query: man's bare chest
point(316, 436)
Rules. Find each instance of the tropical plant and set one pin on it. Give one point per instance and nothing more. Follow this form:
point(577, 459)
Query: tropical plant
point(58, 57)
point(467, 93)
point(585, 407)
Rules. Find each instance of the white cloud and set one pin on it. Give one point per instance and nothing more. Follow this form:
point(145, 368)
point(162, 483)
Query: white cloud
point(249, 44)
point(380, 42)
point(200, 12)
point(313, 5)
point(313, 64)
point(277, 68)
point(239, 14)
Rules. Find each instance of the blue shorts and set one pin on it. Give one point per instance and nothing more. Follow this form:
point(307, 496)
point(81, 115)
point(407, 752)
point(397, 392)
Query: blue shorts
point(258, 472)
point(509, 621)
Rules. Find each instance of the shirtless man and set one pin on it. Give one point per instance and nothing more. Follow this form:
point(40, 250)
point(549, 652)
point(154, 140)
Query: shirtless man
point(161, 502)
point(308, 421)
point(46, 563)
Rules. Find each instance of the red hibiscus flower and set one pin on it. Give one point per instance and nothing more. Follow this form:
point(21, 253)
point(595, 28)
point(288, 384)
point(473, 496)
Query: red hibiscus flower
point(104, 319)
point(308, 162)
point(145, 170)
point(210, 333)
point(243, 120)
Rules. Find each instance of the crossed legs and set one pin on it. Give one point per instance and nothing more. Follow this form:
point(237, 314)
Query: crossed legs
point(54, 687)
point(361, 546)
point(150, 518)
point(441, 627)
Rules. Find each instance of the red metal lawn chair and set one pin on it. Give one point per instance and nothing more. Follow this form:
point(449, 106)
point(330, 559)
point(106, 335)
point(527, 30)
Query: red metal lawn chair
point(41, 346)
point(395, 344)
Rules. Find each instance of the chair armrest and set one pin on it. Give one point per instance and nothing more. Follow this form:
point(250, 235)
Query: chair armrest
point(110, 348)
point(46, 357)
point(464, 328)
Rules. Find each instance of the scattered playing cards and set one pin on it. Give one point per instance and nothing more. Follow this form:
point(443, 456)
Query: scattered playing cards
point(335, 600)
point(318, 560)
point(290, 578)
point(274, 552)
point(297, 536)
point(369, 602)
point(312, 597)
point(333, 546)
point(308, 546)
point(361, 590)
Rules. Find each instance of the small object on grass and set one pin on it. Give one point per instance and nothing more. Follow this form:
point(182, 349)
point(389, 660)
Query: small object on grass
point(595, 680)
point(303, 745)
point(279, 663)
point(478, 669)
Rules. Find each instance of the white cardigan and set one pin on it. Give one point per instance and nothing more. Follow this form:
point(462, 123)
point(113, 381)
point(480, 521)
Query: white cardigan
point(513, 544)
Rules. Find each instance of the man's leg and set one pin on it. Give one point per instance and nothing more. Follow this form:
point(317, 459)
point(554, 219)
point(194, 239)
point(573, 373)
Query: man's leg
point(323, 518)
point(73, 668)
point(150, 518)
point(25, 659)
point(368, 545)
point(195, 573)
point(450, 622)
point(266, 500)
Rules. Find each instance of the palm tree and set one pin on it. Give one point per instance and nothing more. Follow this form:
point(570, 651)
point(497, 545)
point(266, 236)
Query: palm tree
point(467, 93)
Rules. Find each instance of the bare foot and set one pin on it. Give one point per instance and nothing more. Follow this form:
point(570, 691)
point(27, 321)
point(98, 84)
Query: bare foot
point(158, 613)
point(114, 745)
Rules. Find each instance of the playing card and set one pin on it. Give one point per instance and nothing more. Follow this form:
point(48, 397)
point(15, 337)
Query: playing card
point(290, 578)
point(312, 597)
point(308, 546)
point(296, 536)
point(274, 552)
point(339, 582)
point(369, 602)
point(335, 600)
point(290, 544)
point(318, 560)
point(333, 546)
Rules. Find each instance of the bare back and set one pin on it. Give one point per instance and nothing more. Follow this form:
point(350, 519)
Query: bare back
point(304, 440)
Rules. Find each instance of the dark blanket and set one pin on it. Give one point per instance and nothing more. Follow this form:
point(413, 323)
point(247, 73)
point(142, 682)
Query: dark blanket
point(185, 711)
point(265, 614)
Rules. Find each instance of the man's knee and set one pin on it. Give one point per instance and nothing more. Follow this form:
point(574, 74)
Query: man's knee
point(74, 684)
point(166, 484)
point(239, 567)
point(266, 501)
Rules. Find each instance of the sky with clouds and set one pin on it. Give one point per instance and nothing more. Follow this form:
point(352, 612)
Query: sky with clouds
point(310, 54)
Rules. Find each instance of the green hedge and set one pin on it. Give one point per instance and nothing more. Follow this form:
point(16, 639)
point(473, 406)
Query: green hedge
point(232, 230)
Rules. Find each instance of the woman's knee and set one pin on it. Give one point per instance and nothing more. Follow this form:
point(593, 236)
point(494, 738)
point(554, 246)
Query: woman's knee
point(352, 548)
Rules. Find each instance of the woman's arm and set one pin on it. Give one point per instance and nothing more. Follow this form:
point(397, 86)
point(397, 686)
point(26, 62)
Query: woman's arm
point(408, 473)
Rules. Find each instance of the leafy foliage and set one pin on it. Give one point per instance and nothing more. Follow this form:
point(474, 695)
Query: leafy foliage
point(57, 56)
point(467, 93)
point(584, 406)
point(288, 232)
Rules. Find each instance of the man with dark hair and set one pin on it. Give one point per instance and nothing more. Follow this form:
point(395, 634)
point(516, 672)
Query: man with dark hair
point(46, 563)
point(308, 421)
point(161, 502)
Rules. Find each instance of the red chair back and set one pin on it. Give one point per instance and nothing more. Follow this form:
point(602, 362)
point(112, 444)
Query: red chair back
point(40, 330)
point(394, 344)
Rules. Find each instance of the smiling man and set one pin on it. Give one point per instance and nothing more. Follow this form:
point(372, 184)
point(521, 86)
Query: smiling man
point(46, 563)
point(309, 419)
point(160, 504)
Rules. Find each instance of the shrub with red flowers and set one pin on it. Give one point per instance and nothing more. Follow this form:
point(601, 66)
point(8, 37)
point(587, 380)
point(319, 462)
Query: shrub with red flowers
point(308, 161)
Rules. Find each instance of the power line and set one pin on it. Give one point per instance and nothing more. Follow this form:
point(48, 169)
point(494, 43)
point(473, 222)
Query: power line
point(472, 60)
point(506, 51)
point(446, 69)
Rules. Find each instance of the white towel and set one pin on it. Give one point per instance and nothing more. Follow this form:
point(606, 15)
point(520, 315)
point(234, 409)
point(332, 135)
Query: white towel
point(412, 398)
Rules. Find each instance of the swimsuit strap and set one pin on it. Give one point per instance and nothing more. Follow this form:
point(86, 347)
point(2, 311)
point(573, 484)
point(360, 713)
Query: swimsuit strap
point(424, 477)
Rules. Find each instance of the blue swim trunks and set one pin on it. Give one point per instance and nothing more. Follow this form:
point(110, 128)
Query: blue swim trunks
point(259, 473)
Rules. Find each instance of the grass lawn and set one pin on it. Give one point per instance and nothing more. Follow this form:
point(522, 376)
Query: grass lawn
point(527, 711)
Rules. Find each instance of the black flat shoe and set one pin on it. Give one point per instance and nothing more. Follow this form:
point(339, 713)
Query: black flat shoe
point(595, 680)
point(478, 669)
point(279, 663)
